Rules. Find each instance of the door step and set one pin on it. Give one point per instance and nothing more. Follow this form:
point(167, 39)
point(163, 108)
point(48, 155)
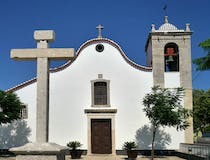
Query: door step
point(100, 157)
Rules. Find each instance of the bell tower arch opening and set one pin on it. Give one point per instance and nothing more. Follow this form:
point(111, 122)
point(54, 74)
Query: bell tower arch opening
point(171, 57)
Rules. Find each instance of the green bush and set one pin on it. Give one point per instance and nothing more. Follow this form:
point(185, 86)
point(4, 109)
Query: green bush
point(129, 146)
point(74, 145)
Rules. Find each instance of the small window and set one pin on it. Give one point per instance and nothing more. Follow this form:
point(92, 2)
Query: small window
point(171, 57)
point(24, 112)
point(100, 93)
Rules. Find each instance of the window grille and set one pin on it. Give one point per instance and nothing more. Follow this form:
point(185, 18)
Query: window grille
point(100, 93)
point(24, 112)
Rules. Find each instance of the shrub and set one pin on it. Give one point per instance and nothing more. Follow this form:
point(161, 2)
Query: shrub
point(129, 146)
point(74, 145)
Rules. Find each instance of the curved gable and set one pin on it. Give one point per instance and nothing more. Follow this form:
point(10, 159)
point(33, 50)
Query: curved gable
point(103, 40)
point(82, 47)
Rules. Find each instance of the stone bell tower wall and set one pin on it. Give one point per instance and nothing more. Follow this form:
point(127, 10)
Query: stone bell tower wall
point(157, 41)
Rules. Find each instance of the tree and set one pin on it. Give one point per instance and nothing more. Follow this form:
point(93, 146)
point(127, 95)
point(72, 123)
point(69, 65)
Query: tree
point(163, 108)
point(201, 110)
point(10, 107)
point(203, 63)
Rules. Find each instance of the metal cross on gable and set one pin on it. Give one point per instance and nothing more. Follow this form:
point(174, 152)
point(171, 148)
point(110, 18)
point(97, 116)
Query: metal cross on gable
point(99, 27)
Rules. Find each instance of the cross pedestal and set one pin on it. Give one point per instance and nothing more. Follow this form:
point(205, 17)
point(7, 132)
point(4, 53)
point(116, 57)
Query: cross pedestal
point(41, 149)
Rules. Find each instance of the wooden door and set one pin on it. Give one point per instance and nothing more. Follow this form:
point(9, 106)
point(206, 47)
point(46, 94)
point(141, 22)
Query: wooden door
point(101, 139)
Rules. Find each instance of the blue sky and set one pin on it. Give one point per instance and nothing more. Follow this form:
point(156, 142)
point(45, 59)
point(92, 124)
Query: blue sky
point(127, 22)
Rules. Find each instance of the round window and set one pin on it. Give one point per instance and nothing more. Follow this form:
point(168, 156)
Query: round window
point(99, 47)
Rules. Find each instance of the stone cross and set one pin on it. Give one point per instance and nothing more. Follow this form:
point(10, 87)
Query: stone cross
point(42, 54)
point(99, 27)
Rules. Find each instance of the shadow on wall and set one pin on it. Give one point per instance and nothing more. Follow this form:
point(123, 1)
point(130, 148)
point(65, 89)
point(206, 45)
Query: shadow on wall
point(14, 134)
point(144, 138)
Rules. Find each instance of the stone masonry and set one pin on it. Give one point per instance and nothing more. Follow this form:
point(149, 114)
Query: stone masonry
point(41, 149)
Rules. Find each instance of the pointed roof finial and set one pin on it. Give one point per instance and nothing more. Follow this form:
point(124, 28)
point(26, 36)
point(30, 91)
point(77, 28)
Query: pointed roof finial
point(153, 27)
point(187, 27)
point(99, 27)
point(166, 19)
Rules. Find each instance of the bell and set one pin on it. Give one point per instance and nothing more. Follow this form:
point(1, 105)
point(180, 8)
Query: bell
point(170, 59)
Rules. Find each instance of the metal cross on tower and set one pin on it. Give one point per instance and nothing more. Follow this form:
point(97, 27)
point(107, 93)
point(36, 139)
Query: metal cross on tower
point(99, 27)
point(165, 9)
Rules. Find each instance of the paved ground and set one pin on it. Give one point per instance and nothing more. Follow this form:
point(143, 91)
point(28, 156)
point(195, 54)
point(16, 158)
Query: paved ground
point(110, 158)
point(125, 158)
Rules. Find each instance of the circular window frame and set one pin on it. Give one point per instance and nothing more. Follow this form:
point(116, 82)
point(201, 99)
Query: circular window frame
point(99, 47)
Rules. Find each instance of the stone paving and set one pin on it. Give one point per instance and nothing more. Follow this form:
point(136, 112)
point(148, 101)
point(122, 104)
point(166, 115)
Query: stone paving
point(110, 158)
point(125, 158)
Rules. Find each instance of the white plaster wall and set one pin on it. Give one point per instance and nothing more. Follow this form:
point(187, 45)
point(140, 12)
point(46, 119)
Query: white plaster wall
point(172, 79)
point(70, 94)
point(28, 97)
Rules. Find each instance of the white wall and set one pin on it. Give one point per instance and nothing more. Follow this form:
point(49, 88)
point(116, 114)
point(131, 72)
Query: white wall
point(28, 97)
point(70, 94)
point(172, 79)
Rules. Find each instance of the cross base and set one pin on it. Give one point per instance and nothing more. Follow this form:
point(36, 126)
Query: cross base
point(40, 151)
point(40, 157)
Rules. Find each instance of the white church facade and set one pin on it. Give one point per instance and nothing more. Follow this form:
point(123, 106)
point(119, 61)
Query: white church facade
point(97, 97)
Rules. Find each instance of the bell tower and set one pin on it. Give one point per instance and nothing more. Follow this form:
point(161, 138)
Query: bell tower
point(168, 52)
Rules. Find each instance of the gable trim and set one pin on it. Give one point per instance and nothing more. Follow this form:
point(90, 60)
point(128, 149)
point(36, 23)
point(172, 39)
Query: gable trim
point(83, 46)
